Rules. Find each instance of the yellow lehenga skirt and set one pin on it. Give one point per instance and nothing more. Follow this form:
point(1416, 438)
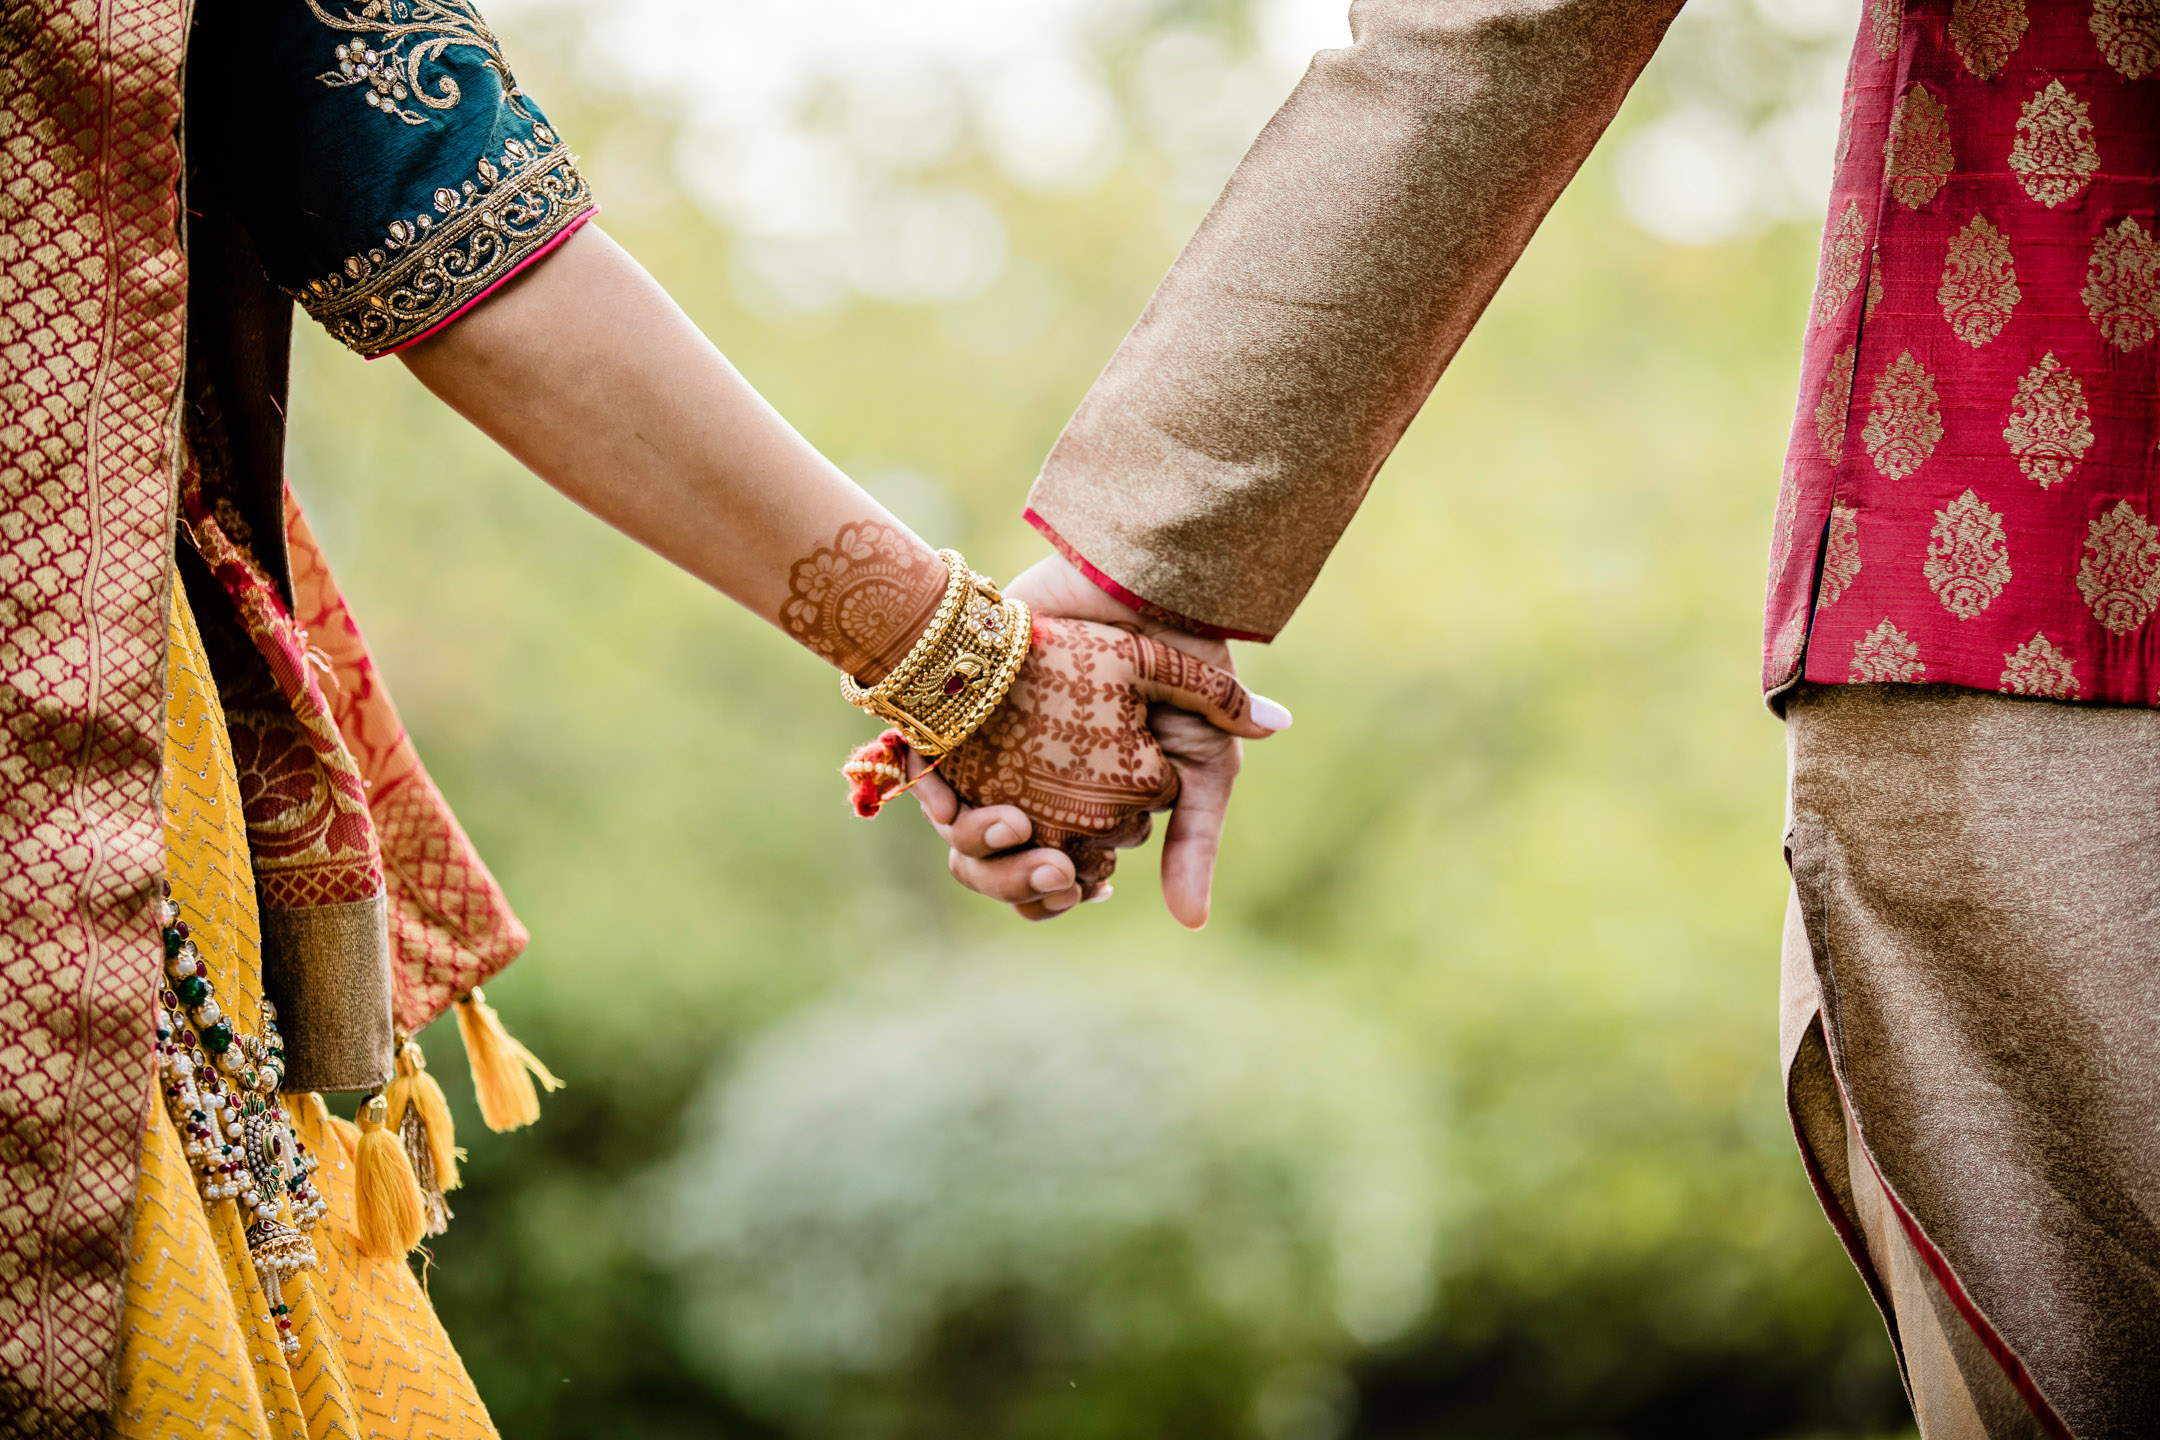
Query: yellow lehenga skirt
point(200, 1350)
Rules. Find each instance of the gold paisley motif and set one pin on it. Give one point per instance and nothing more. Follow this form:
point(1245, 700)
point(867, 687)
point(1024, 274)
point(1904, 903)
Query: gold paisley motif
point(1886, 22)
point(1785, 647)
point(2038, 668)
point(1788, 520)
point(2050, 427)
point(2122, 285)
point(2129, 35)
point(1986, 32)
point(430, 267)
point(1979, 283)
point(1834, 403)
point(1917, 158)
point(1874, 290)
point(1886, 655)
point(1904, 424)
point(1843, 253)
point(1841, 553)
point(2055, 154)
point(2120, 574)
point(1968, 556)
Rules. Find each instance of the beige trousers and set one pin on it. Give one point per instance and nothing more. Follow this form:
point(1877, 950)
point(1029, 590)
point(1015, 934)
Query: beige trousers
point(1971, 1032)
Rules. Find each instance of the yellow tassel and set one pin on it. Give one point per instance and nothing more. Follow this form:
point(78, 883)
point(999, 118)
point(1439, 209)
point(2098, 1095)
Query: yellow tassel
point(387, 1214)
point(503, 1070)
point(413, 1086)
point(420, 1118)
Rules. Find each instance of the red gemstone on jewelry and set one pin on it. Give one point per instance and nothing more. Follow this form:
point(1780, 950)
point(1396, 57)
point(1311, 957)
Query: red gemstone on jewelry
point(954, 684)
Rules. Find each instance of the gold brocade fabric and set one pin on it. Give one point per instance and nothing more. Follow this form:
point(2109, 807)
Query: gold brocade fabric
point(198, 1349)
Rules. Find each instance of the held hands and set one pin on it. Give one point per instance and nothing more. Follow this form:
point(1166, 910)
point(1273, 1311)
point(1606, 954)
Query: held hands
point(1112, 719)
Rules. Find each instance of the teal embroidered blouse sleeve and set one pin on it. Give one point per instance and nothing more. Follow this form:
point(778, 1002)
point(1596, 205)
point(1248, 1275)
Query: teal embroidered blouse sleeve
point(380, 154)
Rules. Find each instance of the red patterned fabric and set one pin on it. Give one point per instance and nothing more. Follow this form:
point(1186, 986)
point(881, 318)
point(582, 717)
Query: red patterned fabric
point(1972, 494)
point(92, 300)
point(306, 801)
point(450, 926)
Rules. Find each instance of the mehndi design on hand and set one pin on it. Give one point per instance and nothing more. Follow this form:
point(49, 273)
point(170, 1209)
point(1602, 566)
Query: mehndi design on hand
point(1071, 744)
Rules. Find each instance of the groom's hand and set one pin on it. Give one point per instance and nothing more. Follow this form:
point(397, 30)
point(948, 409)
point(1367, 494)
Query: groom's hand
point(1105, 726)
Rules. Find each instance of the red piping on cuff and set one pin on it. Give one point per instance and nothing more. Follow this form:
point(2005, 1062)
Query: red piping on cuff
point(516, 270)
point(1131, 601)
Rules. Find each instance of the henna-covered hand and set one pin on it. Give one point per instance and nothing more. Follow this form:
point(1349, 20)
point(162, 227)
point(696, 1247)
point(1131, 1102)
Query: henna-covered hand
point(1105, 726)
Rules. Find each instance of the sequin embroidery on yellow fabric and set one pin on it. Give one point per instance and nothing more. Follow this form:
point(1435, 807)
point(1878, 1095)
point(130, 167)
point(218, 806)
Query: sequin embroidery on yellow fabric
point(199, 1353)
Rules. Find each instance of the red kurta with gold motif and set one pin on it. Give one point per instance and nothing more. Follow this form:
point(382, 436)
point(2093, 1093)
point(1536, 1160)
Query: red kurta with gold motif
point(1972, 493)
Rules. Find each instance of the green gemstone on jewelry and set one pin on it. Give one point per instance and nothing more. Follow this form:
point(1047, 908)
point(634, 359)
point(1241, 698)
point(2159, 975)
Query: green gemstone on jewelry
point(192, 989)
point(218, 1038)
point(173, 941)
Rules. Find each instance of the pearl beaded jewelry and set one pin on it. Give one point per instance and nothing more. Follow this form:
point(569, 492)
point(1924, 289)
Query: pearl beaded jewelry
point(221, 1089)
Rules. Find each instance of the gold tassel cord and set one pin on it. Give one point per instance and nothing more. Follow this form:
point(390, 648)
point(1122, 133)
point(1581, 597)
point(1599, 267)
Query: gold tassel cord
point(503, 1070)
point(389, 1215)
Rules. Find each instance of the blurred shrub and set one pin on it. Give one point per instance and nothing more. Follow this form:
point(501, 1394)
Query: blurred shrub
point(1015, 1204)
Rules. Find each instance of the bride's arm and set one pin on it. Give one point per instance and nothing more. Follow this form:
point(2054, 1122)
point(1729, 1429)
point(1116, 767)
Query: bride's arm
point(584, 369)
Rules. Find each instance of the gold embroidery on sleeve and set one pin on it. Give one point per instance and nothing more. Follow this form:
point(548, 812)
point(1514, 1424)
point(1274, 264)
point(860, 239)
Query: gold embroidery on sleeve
point(1904, 425)
point(397, 52)
point(1841, 553)
point(2122, 285)
point(1886, 655)
point(1979, 283)
point(2120, 574)
point(429, 267)
point(2055, 154)
point(1986, 32)
point(2129, 35)
point(2050, 427)
point(1917, 158)
point(1968, 556)
point(2038, 668)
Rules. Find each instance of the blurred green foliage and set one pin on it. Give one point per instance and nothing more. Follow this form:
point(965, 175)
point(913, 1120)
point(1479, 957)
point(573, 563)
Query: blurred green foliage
point(846, 1152)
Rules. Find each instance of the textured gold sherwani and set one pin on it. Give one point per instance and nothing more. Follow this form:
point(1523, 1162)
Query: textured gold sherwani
point(1971, 1012)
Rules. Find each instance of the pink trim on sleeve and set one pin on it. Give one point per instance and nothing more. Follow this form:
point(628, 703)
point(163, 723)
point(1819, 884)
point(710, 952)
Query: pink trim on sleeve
point(516, 270)
point(1127, 598)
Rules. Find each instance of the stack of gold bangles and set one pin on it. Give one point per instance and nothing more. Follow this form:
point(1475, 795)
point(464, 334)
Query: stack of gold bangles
point(958, 673)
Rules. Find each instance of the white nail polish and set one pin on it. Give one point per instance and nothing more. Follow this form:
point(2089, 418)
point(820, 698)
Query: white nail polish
point(1268, 715)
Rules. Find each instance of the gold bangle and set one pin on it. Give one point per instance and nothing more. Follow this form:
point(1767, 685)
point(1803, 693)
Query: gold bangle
point(958, 671)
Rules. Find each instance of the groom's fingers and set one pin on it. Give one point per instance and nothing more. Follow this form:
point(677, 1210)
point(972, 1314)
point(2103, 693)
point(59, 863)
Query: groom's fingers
point(937, 799)
point(984, 832)
point(1018, 879)
point(1194, 835)
point(1168, 676)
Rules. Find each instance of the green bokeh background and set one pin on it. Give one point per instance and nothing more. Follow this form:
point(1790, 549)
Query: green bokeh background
point(1510, 888)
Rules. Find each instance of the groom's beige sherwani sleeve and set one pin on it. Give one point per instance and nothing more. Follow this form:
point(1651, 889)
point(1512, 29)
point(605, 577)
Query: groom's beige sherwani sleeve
point(1215, 463)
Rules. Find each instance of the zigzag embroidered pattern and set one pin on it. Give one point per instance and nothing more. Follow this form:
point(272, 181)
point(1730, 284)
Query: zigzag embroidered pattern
point(199, 1352)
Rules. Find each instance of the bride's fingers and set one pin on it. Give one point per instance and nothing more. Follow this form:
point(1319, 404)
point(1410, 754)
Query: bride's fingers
point(1030, 875)
point(1168, 676)
point(983, 832)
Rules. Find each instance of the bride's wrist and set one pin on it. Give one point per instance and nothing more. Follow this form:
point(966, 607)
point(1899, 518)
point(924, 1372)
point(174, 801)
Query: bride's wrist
point(863, 599)
point(959, 669)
